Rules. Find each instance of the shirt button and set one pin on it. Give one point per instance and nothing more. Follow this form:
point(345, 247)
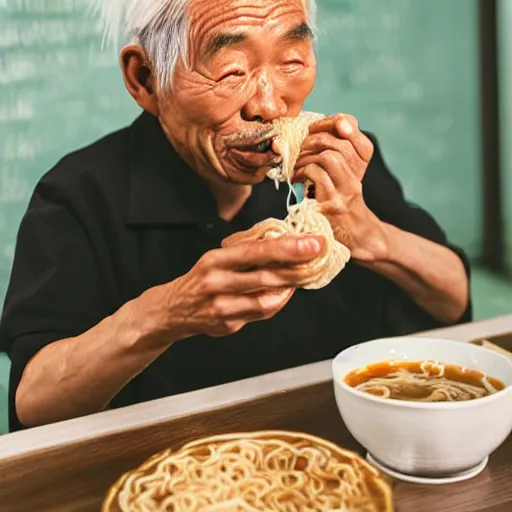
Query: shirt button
point(209, 225)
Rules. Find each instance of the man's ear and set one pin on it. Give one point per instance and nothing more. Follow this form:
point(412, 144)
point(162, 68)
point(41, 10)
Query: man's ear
point(139, 78)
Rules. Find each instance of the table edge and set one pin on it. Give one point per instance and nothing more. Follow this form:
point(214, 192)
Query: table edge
point(197, 402)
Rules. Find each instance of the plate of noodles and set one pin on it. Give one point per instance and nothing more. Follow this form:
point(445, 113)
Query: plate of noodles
point(253, 472)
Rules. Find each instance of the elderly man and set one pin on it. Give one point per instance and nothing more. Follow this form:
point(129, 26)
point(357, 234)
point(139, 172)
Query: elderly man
point(120, 292)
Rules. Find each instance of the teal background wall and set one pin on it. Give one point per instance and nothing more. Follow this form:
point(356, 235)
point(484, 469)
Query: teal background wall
point(58, 92)
point(505, 45)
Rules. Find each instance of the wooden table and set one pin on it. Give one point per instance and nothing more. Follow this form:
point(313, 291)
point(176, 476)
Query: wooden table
point(68, 467)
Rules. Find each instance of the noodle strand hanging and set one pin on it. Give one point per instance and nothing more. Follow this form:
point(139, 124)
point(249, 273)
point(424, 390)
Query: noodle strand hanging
point(304, 217)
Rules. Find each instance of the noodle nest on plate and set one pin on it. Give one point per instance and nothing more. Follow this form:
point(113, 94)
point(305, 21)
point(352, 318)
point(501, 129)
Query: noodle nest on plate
point(255, 472)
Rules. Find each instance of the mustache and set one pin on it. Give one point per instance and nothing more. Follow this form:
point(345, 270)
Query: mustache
point(250, 137)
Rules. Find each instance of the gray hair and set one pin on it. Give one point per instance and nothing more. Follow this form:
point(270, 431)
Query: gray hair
point(161, 27)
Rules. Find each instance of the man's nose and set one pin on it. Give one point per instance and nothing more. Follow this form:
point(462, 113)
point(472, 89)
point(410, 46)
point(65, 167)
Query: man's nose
point(266, 103)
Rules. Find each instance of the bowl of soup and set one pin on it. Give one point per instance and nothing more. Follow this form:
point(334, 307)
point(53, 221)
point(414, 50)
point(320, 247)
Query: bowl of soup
point(425, 407)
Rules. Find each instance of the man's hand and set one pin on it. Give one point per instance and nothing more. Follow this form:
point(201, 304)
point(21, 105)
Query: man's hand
point(231, 287)
point(335, 157)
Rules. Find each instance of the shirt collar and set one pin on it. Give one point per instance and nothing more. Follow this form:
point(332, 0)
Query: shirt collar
point(163, 189)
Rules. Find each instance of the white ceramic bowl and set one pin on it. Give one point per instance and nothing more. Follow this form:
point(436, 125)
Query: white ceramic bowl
point(425, 439)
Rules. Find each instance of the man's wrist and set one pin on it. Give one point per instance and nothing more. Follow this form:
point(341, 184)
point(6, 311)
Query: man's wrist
point(376, 244)
point(144, 324)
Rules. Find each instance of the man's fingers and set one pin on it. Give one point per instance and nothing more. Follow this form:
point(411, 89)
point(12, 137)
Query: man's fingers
point(348, 128)
point(335, 155)
point(319, 142)
point(250, 307)
point(325, 125)
point(256, 280)
point(324, 185)
point(285, 250)
point(255, 233)
point(336, 167)
point(240, 238)
point(345, 127)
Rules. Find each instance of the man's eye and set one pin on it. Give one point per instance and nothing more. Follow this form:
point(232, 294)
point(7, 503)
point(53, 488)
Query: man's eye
point(232, 74)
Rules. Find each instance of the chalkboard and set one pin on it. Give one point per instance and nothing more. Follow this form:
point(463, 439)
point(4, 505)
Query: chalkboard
point(406, 68)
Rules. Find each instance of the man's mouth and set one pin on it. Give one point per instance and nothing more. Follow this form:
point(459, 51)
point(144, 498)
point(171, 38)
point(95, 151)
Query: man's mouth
point(255, 155)
point(262, 147)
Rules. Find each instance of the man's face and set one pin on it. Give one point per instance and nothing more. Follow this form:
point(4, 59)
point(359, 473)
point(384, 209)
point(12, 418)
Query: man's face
point(252, 61)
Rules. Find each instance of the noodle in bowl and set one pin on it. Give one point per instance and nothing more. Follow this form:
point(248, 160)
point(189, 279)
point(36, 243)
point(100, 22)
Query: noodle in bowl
point(253, 472)
point(422, 381)
point(425, 407)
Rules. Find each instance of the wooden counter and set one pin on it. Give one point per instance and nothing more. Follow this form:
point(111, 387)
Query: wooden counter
point(68, 467)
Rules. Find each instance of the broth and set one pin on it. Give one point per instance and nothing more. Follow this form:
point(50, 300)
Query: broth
point(422, 381)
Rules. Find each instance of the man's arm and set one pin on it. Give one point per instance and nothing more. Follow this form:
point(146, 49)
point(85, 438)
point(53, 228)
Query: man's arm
point(431, 274)
point(70, 353)
point(370, 215)
point(416, 256)
point(73, 347)
point(81, 375)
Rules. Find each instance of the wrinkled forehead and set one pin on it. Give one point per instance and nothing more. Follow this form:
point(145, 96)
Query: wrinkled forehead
point(210, 17)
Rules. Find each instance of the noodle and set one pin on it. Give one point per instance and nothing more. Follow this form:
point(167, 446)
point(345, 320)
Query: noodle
point(273, 471)
point(291, 132)
point(425, 381)
point(436, 390)
point(304, 217)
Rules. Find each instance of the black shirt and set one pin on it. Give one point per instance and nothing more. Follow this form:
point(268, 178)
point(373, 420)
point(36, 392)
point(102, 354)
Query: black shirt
point(126, 214)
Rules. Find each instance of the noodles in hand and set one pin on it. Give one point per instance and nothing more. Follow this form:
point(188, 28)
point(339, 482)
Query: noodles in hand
point(304, 217)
